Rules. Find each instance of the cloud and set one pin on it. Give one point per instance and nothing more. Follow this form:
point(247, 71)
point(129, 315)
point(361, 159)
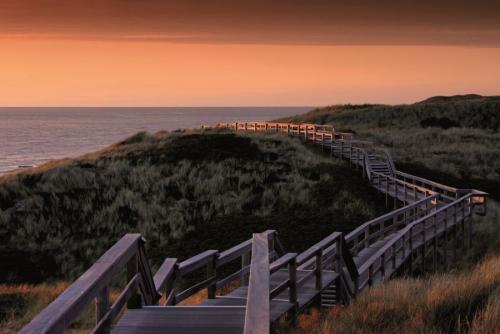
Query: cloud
point(317, 22)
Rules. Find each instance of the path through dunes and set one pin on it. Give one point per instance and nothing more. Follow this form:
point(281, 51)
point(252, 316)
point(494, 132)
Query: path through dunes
point(429, 221)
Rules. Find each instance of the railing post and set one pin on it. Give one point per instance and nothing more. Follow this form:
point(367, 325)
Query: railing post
point(455, 232)
point(394, 255)
point(245, 261)
point(464, 243)
point(292, 273)
point(338, 248)
point(470, 223)
point(370, 275)
point(319, 269)
point(101, 308)
point(211, 272)
point(445, 241)
point(382, 266)
point(423, 244)
point(386, 191)
point(132, 269)
point(410, 241)
point(367, 237)
point(434, 245)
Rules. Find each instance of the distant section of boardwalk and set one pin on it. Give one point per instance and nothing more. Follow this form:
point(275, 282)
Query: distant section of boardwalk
point(429, 222)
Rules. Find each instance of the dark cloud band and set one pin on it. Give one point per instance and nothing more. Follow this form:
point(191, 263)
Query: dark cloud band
point(361, 22)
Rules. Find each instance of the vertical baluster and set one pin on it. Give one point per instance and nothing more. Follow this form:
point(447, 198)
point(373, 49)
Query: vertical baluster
point(245, 261)
point(445, 241)
point(382, 266)
point(101, 308)
point(319, 269)
point(394, 256)
point(132, 269)
point(386, 191)
point(423, 244)
point(292, 273)
point(211, 272)
point(434, 245)
point(410, 241)
point(455, 232)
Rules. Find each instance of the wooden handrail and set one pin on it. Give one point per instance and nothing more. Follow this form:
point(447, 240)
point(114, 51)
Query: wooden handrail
point(240, 249)
point(282, 262)
point(197, 261)
point(66, 308)
point(258, 313)
point(376, 256)
point(164, 274)
point(308, 254)
point(364, 230)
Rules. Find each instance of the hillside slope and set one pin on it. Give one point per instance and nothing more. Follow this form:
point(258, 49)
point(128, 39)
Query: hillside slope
point(455, 140)
point(185, 192)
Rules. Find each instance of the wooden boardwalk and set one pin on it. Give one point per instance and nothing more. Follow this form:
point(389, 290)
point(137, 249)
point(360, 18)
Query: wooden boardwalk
point(255, 283)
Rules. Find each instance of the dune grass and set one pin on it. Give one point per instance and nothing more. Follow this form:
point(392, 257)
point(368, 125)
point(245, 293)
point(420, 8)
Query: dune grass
point(454, 140)
point(460, 302)
point(185, 192)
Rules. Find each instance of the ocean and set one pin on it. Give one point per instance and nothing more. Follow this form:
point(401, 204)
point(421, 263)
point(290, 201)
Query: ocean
point(32, 136)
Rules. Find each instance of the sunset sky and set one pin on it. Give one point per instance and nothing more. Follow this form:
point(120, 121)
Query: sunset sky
point(221, 52)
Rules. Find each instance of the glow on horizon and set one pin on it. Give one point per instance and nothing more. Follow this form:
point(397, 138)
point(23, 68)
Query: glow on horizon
point(62, 72)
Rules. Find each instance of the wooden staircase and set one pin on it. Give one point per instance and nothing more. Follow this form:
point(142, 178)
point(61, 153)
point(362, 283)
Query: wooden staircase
point(377, 165)
point(329, 296)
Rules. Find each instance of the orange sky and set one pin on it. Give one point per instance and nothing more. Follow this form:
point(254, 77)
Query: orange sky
point(37, 72)
point(227, 52)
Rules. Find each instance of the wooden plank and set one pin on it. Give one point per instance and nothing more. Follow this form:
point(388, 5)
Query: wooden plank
point(321, 245)
point(164, 274)
point(257, 313)
point(282, 261)
point(118, 304)
point(182, 320)
point(197, 261)
point(239, 250)
point(195, 288)
point(67, 307)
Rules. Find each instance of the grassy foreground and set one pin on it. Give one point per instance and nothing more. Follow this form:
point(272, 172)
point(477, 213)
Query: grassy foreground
point(464, 302)
point(454, 140)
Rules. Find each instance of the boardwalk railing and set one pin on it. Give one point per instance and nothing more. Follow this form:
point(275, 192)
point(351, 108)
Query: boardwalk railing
point(270, 281)
point(366, 234)
point(258, 308)
point(417, 235)
point(95, 284)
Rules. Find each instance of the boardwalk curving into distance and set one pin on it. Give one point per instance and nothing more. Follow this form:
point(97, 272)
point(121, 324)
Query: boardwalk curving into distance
point(427, 225)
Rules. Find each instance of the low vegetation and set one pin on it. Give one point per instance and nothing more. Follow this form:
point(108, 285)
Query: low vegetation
point(184, 192)
point(460, 302)
point(454, 140)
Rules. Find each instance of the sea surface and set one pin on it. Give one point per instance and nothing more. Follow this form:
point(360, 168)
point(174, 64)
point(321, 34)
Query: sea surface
point(32, 136)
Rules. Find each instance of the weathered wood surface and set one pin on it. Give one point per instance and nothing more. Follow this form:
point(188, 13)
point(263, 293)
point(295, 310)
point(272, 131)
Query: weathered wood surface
point(258, 305)
point(56, 317)
point(336, 268)
point(182, 320)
